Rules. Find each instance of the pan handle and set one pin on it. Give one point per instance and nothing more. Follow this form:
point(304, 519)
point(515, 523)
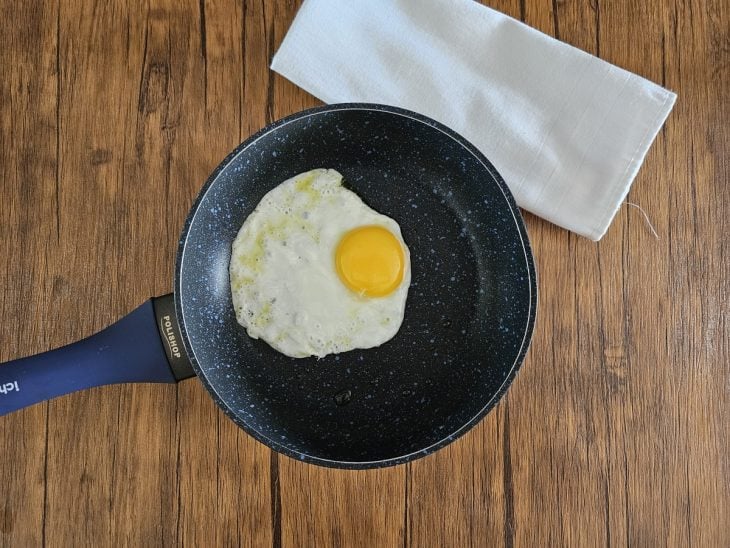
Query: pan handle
point(143, 346)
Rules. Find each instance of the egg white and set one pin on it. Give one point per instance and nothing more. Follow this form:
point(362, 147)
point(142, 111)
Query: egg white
point(284, 284)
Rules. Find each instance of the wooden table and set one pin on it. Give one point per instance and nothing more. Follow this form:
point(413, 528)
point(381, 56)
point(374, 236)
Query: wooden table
point(614, 433)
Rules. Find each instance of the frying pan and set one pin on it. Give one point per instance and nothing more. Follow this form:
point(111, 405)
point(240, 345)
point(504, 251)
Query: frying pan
point(468, 322)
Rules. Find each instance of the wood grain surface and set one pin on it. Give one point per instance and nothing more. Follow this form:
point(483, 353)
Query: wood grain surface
point(615, 433)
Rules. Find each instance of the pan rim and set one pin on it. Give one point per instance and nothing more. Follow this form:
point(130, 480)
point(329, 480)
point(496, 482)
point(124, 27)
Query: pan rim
point(521, 230)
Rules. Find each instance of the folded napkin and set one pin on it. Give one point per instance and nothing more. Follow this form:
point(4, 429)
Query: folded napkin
point(566, 130)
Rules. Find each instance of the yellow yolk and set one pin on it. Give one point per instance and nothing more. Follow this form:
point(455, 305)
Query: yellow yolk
point(370, 261)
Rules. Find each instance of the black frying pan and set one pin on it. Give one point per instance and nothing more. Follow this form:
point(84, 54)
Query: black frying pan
point(469, 315)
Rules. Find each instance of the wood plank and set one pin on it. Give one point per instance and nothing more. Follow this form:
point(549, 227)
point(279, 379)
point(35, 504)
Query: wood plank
point(108, 453)
point(571, 378)
point(29, 242)
point(695, 399)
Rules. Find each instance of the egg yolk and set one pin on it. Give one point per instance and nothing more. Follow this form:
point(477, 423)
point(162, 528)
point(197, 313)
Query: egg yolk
point(370, 261)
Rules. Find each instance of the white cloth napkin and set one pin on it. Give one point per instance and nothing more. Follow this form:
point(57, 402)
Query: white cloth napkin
point(567, 131)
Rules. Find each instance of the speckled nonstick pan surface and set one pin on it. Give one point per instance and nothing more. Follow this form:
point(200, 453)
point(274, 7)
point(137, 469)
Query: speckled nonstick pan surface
point(470, 311)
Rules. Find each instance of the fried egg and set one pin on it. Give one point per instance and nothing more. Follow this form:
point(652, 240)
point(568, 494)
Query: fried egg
point(314, 271)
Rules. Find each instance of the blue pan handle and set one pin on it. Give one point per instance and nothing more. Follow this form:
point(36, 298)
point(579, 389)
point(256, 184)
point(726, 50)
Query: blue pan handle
point(144, 346)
